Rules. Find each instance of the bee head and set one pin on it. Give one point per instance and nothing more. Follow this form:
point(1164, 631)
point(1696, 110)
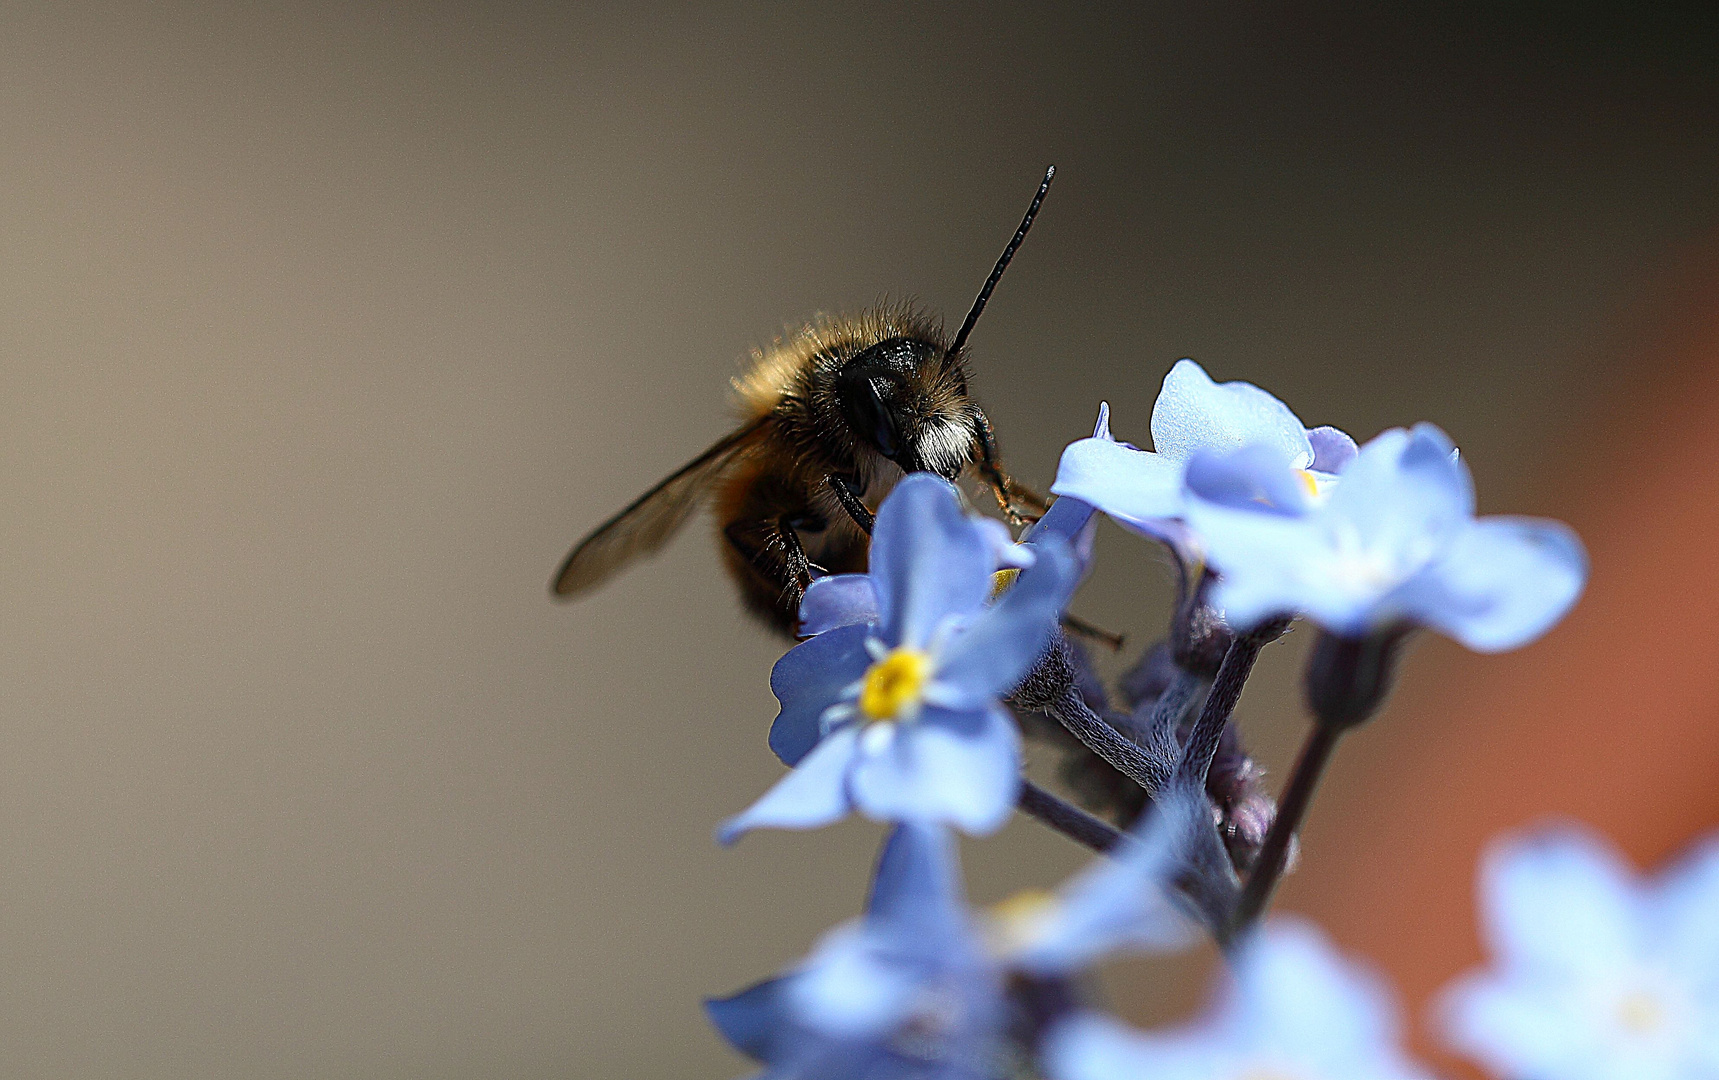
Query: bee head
point(903, 401)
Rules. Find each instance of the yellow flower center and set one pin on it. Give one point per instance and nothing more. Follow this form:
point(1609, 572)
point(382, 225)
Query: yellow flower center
point(1017, 920)
point(894, 684)
point(1001, 580)
point(1641, 1013)
point(1310, 481)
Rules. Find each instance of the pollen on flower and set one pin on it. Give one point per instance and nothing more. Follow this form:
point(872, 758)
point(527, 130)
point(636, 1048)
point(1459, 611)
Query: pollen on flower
point(1641, 1013)
point(1257, 1071)
point(1002, 579)
point(1310, 481)
point(1017, 919)
point(895, 685)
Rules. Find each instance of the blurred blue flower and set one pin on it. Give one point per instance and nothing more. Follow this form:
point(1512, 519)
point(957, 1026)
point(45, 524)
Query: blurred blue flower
point(906, 991)
point(1295, 1010)
point(1120, 903)
point(1143, 489)
point(899, 718)
point(918, 987)
point(1395, 544)
point(1596, 975)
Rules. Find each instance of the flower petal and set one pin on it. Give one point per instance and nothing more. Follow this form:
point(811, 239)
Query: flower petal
point(850, 988)
point(1686, 909)
point(929, 560)
point(1256, 477)
point(1194, 413)
point(1502, 583)
point(1404, 489)
point(991, 655)
point(1132, 486)
point(810, 678)
point(1091, 1046)
point(837, 600)
point(813, 795)
point(1297, 996)
point(960, 768)
point(1116, 903)
point(1333, 449)
point(1560, 903)
point(753, 1021)
point(917, 885)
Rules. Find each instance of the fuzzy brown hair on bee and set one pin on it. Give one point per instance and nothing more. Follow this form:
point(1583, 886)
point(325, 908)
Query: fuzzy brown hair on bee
point(832, 417)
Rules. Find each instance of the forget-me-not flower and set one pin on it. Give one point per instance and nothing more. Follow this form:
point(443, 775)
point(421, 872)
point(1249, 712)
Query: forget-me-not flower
point(1597, 975)
point(907, 991)
point(899, 718)
point(1142, 489)
point(1395, 544)
point(918, 987)
point(1294, 1011)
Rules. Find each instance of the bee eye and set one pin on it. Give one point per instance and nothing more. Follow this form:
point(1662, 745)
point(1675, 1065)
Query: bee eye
point(883, 431)
point(867, 404)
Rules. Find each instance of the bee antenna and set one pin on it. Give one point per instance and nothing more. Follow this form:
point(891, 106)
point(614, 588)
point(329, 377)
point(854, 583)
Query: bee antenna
point(1002, 263)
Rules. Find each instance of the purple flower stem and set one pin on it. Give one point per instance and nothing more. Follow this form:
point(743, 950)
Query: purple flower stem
point(1268, 868)
point(1070, 820)
point(1208, 730)
point(1125, 755)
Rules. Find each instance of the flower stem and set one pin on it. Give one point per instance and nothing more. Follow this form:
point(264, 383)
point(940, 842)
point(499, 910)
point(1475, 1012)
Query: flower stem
point(1126, 756)
point(1274, 854)
point(1065, 818)
point(1202, 745)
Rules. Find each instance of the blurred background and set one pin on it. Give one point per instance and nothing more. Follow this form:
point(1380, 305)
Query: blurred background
point(324, 332)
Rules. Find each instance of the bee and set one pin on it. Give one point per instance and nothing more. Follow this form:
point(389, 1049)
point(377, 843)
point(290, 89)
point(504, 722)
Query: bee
point(832, 419)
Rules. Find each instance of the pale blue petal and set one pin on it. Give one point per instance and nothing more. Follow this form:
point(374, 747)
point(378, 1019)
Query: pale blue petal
point(754, 1021)
point(810, 678)
point(1193, 413)
point(963, 769)
point(1089, 1046)
point(1685, 908)
point(1101, 426)
point(1072, 520)
point(990, 656)
point(1502, 583)
point(1515, 1028)
point(1257, 478)
point(837, 600)
point(850, 989)
point(1560, 903)
point(1271, 565)
point(1405, 493)
point(1132, 486)
point(918, 884)
point(929, 560)
point(1117, 903)
point(1298, 999)
point(813, 795)
point(1333, 449)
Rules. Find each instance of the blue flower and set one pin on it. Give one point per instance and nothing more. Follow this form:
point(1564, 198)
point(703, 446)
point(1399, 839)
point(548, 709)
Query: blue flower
point(899, 718)
point(906, 991)
point(1597, 975)
point(1121, 903)
point(918, 987)
point(1143, 489)
point(1295, 1010)
point(1395, 544)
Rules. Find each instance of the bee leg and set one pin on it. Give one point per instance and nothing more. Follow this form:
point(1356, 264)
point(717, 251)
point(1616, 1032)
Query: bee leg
point(772, 548)
point(848, 494)
point(1008, 492)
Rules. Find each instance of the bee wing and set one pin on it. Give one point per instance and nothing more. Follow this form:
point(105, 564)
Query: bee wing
point(652, 519)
